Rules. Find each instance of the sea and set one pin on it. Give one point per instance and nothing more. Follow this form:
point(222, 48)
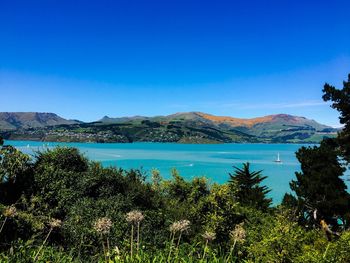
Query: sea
point(213, 161)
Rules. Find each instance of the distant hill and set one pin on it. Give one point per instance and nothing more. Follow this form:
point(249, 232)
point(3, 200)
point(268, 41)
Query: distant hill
point(23, 120)
point(187, 127)
point(107, 119)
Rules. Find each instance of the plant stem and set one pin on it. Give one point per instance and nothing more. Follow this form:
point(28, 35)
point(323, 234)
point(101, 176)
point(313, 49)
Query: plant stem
point(2, 226)
point(104, 248)
point(131, 239)
point(177, 245)
point(231, 251)
point(172, 236)
point(138, 237)
point(205, 249)
point(108, 249)
point(42, 245)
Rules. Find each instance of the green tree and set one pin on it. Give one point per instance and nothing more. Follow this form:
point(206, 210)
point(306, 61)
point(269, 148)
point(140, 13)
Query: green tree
point(15, 174)
point(320, 191)
point(248, 187)
point(341, 102)
point(61, 158)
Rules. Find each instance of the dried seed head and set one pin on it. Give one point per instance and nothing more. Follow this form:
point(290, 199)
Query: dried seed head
point(134, 217)
point(238, 233)
point(103, 225)
point(180, 226)
point(10, 211)
point(209, 236)
point(55, 223)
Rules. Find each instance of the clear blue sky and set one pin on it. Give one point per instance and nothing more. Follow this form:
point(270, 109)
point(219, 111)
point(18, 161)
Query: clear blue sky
point(86, 59)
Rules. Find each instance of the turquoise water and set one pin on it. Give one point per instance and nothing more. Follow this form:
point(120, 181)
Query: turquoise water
point(212, 161)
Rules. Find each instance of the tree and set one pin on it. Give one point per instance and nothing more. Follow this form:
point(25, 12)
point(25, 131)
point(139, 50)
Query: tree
point(1, 141)
point(320, 191)
point(61, 158)
point(249, 191)
point(15, 174)
point(12, 163)
point(341, 102)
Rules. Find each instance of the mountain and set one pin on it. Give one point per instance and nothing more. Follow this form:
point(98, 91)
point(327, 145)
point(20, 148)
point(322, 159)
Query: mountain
point(24, 120)
point(186, 127)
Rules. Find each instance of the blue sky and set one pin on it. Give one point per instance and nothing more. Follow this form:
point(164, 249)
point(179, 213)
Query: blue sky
point(86, 59)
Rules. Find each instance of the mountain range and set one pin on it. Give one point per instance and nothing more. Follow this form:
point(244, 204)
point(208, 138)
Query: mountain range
point(187, 127)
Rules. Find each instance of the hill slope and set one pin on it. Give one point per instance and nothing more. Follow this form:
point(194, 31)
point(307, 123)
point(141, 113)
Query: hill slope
point(188, 127)
point(23, 120)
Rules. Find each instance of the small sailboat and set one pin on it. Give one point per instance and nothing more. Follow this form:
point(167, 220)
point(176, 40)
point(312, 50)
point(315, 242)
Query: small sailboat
point(278, 160)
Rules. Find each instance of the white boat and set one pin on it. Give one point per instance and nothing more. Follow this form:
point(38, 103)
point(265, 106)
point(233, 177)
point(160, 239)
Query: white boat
point(278, 160)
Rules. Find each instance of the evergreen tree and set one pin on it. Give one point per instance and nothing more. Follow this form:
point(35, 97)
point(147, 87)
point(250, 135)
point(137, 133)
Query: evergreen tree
point(320, 191)
point(341, 102)
point(249, 192)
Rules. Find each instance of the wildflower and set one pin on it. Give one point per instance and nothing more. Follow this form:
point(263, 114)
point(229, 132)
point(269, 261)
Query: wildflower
point(134, 217)
point(238, 233)
point(180, 226)
point(209, 236)
point(55, 223)
point(10, 211)
point(103, 225)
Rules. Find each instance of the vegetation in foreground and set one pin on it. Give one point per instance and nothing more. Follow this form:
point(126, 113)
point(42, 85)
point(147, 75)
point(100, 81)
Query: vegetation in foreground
point(61, 207)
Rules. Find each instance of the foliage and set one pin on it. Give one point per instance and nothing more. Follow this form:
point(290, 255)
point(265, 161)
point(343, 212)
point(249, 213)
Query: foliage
point(341, 102)
point(15, 174)
point(67, 188)
point(249, 191)
point(320, 190)
point(280, 240)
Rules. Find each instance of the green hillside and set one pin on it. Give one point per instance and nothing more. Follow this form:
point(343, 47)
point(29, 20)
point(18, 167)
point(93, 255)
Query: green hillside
point(192, 127)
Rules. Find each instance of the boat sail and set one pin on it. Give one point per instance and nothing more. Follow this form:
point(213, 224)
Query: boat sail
point(278, 160)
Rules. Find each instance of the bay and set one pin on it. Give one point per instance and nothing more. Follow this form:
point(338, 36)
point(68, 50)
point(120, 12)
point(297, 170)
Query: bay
point(214, 161)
